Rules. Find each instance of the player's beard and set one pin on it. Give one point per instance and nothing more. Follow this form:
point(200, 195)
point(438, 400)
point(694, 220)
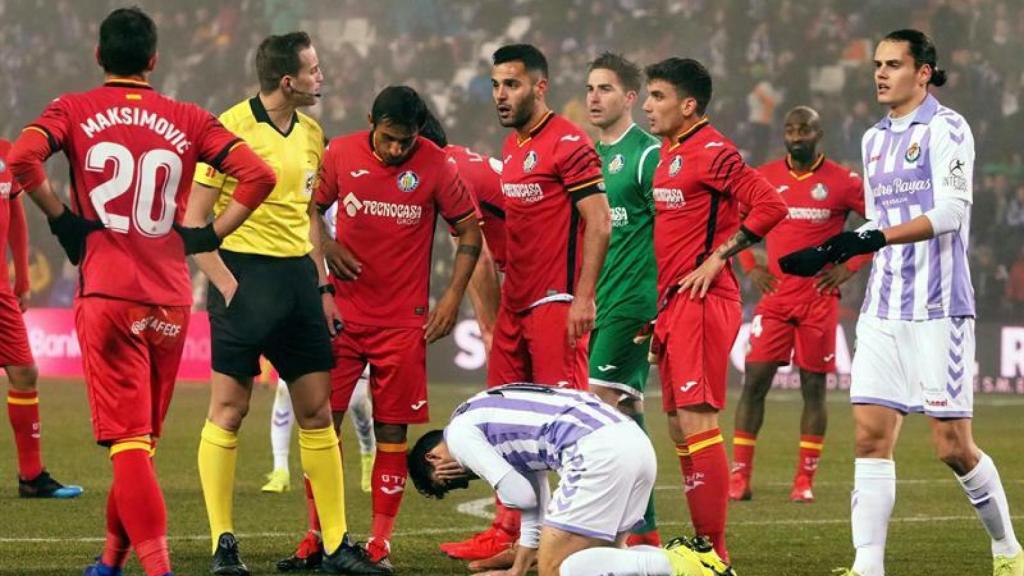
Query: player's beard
point(801, 153)
point(521, 113)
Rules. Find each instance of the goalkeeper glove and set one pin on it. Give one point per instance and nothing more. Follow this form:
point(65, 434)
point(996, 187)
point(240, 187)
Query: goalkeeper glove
point(806, 262)
point(198, 240)
point(71, 230)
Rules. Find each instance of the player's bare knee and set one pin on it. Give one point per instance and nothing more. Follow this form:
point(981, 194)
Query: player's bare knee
point(955, 448)
point(390, 433)
point(872, 442)
point(812, 388)
point(23, 378)
point(631, 406)
point(607, 395)
point(229, 413)
point(315, 419)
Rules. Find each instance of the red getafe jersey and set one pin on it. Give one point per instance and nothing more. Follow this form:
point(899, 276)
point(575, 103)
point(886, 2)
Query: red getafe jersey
point(8, 192)
point(542, 179)
point(698, 187)
point(133, 152)
point(482, 177)
point(818, 203)
point(386, 218)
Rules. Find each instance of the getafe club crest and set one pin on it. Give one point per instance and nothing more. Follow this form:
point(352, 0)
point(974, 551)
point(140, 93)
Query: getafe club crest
point(674, 167)
point(913, 152)
point(617, 164)
point(530, 162)
point(819, 192)
point(408, 181)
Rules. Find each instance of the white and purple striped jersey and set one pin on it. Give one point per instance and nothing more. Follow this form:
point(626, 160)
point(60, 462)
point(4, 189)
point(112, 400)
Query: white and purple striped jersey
point(909, 164)
point(528, 425)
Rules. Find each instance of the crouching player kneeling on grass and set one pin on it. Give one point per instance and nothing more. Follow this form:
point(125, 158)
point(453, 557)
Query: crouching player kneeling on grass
point(512, 435)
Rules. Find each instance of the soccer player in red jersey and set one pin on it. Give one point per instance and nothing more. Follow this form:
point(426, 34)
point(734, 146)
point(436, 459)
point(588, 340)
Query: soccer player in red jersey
point(15, 353)
point(132, 153)
point(391, 184)
point(558, 224)
point(698, 188)
point(796, 313)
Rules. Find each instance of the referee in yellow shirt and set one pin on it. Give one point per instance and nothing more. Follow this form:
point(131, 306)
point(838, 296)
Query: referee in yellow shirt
point(269, 296)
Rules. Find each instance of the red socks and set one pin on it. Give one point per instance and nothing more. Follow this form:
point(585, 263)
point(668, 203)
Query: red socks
point(810, 455)
point(140, 504)
point(707, 485)
point(390, 470)
point(23, 411)
point(506, 519)
point(117, 546)
point(743, 444)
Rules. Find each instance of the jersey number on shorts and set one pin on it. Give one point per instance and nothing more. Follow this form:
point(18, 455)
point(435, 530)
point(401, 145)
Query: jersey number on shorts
point(148, 167)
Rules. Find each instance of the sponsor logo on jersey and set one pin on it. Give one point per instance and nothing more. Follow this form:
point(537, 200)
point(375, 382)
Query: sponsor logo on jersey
point(403, 214)
point(815, 214)
point(607, 367)
point(714, 145)
point(620, 216)
point(617, 164)
point(913, 152)
point(901, 186)
point(673, 197)
point(530, 162)
point(418, 405)
point(526, 193)
point(782, 189)
point(570, 138)
point(819, 192)
point(358, 173)
point(408, 181)
point(675, 166)
point(684, 388)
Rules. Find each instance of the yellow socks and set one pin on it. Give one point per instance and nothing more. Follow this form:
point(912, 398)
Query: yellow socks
point(321, 461)
point(217, 456)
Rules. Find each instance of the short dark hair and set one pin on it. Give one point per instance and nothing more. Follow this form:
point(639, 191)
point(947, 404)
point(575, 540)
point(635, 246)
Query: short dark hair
point(531, 57)
point(127, 42)
point(433, 130)
point(922, 49)
point(688, 76)
point(420, 469)
point(628, 73)
point(278, 56)
point(401, 105)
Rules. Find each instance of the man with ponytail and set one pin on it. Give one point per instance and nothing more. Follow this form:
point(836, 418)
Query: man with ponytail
point(915, 335)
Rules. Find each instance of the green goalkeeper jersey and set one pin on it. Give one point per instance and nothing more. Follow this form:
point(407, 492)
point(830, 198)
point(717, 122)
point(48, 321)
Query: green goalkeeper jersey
point(627, 287)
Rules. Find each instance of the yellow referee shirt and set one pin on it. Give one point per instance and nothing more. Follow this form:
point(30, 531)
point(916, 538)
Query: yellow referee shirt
point(280, 226)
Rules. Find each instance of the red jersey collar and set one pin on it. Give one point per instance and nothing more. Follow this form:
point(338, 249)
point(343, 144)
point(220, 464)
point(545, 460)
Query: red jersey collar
point(686, 134)
point(117, 82)
point(536, 128)
point(814, 167)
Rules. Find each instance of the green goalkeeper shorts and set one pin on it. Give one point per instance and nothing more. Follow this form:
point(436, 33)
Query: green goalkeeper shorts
point(618, 356)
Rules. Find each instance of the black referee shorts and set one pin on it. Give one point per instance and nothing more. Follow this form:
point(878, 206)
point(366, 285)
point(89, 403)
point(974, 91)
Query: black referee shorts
point(276, 312)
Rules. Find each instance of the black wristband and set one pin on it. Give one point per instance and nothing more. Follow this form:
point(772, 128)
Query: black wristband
point(327, 289)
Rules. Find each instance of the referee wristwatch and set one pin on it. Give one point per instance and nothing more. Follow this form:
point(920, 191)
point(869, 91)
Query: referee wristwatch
point(327, 289)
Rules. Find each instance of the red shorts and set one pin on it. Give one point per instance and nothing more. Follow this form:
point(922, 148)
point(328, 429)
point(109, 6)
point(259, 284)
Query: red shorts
point(533, 346)
point(14, 348)
point(692, 341)
point(398, 371)
point(130, 356)
point(811, 323)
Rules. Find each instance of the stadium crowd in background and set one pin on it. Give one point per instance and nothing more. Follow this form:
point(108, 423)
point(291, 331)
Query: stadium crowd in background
point(766, 56)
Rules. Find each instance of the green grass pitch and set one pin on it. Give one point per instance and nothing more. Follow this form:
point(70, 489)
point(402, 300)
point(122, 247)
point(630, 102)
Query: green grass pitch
point(934, 530)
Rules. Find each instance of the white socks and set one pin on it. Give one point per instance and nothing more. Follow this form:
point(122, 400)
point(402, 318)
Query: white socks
point(635, 561)
point(281, 421)
point(362, 415)
point(984, 490)
point(874, 495)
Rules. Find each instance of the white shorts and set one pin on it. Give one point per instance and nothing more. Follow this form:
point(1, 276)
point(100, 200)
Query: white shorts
point(915, 366)
point(606, 481)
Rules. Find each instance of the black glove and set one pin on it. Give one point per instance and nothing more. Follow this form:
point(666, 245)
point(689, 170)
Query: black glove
point(198, 240)
point(846, 245)
point(71, 230)
point(806, 262)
